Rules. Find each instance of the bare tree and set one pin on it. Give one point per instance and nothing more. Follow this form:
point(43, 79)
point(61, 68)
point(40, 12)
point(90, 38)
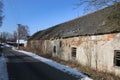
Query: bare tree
point(1, 10)
point(96, 4)
point(5, 36)
point(23, 31)
point(15, 36)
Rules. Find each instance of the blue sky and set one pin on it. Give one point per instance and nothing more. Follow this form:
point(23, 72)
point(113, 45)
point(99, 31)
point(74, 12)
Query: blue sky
point(38, 14)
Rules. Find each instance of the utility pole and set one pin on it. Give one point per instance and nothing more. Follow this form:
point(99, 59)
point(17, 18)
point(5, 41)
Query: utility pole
point(18, 41)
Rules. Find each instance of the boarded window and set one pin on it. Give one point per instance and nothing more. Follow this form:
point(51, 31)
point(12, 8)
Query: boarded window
point(117, 58)
point(54, 49)
point(73, 52)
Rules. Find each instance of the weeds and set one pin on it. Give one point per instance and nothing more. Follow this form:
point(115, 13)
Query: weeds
point(95, 75)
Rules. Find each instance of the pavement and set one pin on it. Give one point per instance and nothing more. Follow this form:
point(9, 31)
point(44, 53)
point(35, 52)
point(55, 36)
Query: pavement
point(24, 67)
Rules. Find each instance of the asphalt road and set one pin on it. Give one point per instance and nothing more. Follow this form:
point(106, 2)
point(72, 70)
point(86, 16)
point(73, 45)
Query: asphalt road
point(23, 67)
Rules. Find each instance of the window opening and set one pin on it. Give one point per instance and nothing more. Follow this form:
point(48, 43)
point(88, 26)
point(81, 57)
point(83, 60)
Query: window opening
point(117, 58)
point(60, 43)
point(73, 52)
point(54, 49)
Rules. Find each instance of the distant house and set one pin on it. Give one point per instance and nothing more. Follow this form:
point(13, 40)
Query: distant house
point(21, 42)
point(92, 40)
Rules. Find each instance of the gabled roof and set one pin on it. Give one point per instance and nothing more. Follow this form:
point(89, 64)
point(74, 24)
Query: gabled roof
point(99, 22)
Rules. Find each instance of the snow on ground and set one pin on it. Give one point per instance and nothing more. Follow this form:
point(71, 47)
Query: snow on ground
point(61, 67)
point(7, 45)
point(3, 68)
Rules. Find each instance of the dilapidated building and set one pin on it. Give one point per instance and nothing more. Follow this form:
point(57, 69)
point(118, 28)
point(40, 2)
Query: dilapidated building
point(92, 40)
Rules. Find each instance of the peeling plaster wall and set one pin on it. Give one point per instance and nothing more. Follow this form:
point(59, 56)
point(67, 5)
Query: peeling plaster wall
point(94, 51)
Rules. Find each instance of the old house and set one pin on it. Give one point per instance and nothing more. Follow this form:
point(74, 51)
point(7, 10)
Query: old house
point(92, 40)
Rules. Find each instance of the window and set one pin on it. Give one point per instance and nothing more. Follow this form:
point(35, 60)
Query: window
point(69, 45)
point(73, 52)
point(54, 49)
point(117, 58)
point(60, 43)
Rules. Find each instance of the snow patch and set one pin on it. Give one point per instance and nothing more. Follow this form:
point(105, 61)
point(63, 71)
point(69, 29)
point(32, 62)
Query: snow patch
point(56, 65)
point(3, 68)
point(7, 45)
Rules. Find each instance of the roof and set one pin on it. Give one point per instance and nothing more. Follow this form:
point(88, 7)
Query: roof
point(100, 22)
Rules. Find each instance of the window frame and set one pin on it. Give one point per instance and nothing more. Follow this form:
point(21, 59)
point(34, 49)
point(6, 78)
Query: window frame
point(74, 52)
point(116, 57)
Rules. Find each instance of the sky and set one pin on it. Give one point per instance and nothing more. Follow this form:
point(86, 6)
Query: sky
point(38, 14)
